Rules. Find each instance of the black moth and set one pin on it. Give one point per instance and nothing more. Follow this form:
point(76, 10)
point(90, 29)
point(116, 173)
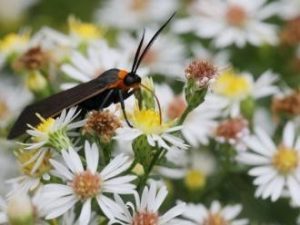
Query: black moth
point(110, 87)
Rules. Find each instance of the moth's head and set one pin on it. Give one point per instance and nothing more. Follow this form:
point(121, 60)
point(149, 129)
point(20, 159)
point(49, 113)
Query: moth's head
point(132, 79)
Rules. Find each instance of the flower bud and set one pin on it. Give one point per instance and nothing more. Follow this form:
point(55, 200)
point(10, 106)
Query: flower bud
point(20, 210)
point(36, 81)
point(199, 75)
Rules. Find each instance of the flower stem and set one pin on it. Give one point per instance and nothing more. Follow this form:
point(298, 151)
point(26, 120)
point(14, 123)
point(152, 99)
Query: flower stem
point(148, 170)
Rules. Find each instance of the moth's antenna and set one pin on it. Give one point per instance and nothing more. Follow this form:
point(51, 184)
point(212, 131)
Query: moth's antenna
point(137, 53)
point(157, 101)
point(151, 42)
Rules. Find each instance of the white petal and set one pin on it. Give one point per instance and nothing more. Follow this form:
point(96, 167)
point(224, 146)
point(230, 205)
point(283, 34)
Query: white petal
point(92, 156)
point(289, 135)
point(172, 213)
point(294, 188)
point(85, 214)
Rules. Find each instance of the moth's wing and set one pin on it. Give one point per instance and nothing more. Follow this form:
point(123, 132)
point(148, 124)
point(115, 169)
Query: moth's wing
point(54, 104)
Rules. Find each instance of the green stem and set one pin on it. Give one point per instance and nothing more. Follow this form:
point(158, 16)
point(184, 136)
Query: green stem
point(184, 115)
point(148, 170)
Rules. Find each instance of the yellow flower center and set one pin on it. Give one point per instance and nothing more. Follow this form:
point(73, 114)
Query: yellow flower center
point(85, 31)
point(145, 218)
point(12, 41)
point(232, 85)
point(285, 160)
point(194, 179)
point(86, 185)
point(148, 121)
point(27, 164)
point(215, 219)
point(46, 125)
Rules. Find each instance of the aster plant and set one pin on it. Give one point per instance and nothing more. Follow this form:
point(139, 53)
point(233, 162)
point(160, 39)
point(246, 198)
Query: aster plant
point(210, 137)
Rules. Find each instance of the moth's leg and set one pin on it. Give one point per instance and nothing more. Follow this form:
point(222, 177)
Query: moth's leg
point(123, 108)
point(106, 99)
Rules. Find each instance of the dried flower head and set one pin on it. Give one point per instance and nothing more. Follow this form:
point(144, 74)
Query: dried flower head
point(33, 59)
point(201, 71)
point(232, 129)
point(289, 104)
point(290, 34)
point(102, 124)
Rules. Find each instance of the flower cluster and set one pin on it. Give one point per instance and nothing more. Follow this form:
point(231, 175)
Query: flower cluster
point(210, 136)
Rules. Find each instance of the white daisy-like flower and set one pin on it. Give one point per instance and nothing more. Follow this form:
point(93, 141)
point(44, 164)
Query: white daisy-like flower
point(230, 22)
point(13, 97)
point(57, 45)
point(84, 184)
point(13, 43)
point(166, 56)
point(100, 57)
point(220, 58)
point(276, 168)
point(198, 214)
point(35, 168)
point(232, 88)
point(200, 123)
point(145, 210)
point(148, 122)
point(232, 131)
point(83, 33)
point(194, 167)
point(287, 9)
point(54, 132)
point(135, 13)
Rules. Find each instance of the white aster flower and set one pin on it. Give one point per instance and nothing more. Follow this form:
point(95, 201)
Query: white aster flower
point(84, 184)
point(54, 132)
point(100, 57)
point(193, 167)
point(35, 167)
point(198, 214)
point(232, 131)
point(276, 168)
point(13, 43)
point(232, 88)
point(135, 13)
point(55, 43)
point(165, 57)
point(220, 58)
point(230, 22)
point(13, 98)
point(200, 123)
point(148, 122)
point(82, 33)
point(145, 210)
point(287, 9)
